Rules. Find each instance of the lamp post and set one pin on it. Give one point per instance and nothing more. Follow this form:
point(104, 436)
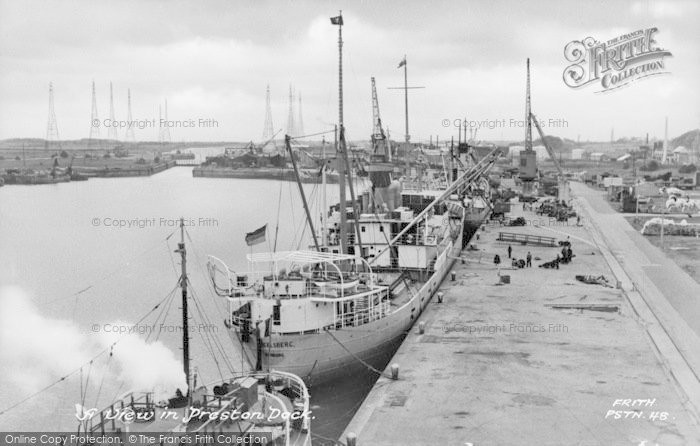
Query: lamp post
point(636, 197)
point(663, 222)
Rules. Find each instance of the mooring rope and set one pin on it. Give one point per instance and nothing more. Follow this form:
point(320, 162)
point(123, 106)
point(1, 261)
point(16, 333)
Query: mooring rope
point(369, 366)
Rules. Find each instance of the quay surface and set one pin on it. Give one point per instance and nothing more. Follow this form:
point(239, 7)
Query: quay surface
point(497, 365)
point(124, 171)
point(261, 173)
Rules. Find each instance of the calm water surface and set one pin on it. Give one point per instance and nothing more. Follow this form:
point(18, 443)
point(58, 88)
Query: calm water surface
point(81, 258)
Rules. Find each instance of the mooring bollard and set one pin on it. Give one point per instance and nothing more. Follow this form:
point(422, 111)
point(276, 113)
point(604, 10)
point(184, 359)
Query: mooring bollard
point(394, 371)
point(421, 327)
point(454, 276)
point(351, 439)
point(440, 294)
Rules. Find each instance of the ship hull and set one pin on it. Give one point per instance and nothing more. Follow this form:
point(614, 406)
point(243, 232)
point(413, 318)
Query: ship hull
point(472, 223)
point(325, 356)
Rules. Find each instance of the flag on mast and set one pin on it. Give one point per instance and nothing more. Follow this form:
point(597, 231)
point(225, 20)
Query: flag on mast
point(256, 237)
point(402, 63)
point(337, 20)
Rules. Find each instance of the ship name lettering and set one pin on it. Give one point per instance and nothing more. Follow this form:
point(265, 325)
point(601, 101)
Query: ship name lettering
point(286, 344)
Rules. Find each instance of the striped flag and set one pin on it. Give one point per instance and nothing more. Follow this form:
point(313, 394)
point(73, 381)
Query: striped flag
point(256, 237)
point(402, 63)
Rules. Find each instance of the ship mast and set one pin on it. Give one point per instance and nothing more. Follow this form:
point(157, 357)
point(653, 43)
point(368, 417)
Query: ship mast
point(324, 204)
point(405, 89)
point(340, 147)
point(405, 97)
point(183, 286)
point(287, 143)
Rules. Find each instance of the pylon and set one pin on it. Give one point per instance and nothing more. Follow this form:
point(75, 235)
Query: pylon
point(52, 125)
point(164, 128)
point(129, 135)
point(300, 122)
point(112, 130)
point(94, 119)
point(291, 131)
point(268, 129)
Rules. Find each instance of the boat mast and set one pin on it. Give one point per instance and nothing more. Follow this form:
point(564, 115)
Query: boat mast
point(453, 170)
point(183, 286)
point(355, 210)
point(405, 97)
point(287, 143)
point(339, 145)
point(324, 204)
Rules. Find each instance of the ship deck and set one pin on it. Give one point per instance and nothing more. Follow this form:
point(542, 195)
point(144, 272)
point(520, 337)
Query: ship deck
point(545, 359)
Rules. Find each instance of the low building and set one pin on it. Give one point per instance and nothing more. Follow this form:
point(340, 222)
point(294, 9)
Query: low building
point(600, 157)
point(681, 155)
point(577, 154)
point(542, 153)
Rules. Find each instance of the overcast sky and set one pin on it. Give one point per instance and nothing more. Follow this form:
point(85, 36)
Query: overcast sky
point(214, 59)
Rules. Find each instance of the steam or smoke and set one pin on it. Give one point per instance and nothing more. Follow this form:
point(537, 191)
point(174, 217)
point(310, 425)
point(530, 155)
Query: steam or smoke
point(36, 350)
point(146, 366)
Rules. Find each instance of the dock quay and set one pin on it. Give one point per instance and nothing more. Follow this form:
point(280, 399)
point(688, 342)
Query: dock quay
point(543, 358)
point(133, 171)
point(269, 173)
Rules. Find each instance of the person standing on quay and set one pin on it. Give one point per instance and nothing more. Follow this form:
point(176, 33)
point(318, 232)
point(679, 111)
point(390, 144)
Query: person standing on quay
point(510, 251)
point(528, 260)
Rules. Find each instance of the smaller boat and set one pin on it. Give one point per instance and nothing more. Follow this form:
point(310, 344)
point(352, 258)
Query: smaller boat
point(250, 407)
point(254, 406)
point(40, 177)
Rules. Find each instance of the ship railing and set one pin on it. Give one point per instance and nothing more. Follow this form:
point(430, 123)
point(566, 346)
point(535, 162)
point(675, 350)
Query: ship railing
point(361, 317)
point(109, 415)
point(417, 239)
point(362, 313)
point(217, 404)
point(420, 185)
point(412, 185)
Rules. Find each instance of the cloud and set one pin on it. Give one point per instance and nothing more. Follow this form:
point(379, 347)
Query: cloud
point(664, 9)
point(216, 61)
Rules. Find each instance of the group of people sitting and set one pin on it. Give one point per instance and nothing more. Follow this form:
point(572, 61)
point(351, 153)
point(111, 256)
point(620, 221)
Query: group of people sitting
point(566, 256)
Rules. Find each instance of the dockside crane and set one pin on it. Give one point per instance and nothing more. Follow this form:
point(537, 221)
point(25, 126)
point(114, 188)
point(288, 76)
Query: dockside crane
point(562, 184)
point(379, 140)
point(380, 168)
point(528, 157)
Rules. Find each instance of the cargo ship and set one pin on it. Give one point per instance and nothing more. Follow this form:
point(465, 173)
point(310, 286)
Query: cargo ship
point(375, 263)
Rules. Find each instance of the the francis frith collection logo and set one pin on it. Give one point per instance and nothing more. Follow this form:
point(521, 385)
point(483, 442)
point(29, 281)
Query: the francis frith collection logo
point(614, 63)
